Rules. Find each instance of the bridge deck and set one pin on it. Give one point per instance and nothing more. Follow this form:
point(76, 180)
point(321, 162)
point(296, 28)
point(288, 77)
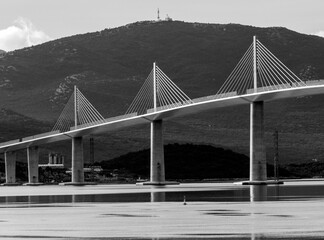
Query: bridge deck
point(198, 105)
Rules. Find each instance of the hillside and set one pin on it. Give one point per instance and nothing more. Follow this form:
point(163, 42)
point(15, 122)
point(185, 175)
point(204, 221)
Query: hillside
point(185, 162)
point(13, 123)
point(109, 67)
point(189, 161)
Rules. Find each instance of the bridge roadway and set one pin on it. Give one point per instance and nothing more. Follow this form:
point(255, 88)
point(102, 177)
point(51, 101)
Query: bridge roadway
point(198, 105)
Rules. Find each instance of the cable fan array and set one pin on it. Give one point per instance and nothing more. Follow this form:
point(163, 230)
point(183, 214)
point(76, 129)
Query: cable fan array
point(86, 114)
point(272, 74)
point(168, 94)
point(159, 92)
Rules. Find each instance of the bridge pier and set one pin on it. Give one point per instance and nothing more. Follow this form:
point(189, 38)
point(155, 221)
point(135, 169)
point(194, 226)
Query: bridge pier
point(77, 161)
point(157, 153)
point(10, 167)
point(157, 171)
point(258, 163)
point(32, 160)
point(77, 164)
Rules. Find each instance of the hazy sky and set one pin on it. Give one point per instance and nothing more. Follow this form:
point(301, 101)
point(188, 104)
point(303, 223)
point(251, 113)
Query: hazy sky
point(29, 22)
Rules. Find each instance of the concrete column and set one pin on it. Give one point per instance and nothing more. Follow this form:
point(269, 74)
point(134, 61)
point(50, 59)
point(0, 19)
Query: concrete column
point(77, 160)
point(157, 153)
point(258, 165)
point(10, 165)
point(32, 159)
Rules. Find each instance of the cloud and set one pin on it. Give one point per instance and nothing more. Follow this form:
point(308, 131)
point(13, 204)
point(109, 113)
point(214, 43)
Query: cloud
point(320, 34)
point(22, 34)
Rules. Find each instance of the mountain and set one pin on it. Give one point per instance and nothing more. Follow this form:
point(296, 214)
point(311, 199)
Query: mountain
point(13, 123)
point(110, 66)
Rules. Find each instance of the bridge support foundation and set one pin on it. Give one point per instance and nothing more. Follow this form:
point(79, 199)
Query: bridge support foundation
point(77, 164)
point(10, 168)
point(77, 160)
point(258, 163)
point(32, 160)
point(157, 171)
point(157, 153)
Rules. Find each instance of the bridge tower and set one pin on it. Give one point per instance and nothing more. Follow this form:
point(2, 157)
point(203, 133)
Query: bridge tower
point(258, 165)
point(77, 113)
point(77, 148)
point(157, 171)
point(158, 93)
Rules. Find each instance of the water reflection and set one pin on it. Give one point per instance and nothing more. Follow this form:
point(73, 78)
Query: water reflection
point(33, 199)
point(157, 196)
point(258, 193)
point(253, 193)
point(276, 192)
point(257, 236)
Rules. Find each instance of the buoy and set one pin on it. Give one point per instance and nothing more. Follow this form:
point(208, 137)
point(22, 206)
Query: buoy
point(184, 200)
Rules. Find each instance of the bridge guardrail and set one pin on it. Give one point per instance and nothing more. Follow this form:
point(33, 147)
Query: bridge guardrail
point(225, 95)
point(285, 86)
point(169, 106)
point(314, 82)
point(121, 117)
point(272, 88)
point(10, 142)
point(40, 135)
point(104, 121)
point(216, 96)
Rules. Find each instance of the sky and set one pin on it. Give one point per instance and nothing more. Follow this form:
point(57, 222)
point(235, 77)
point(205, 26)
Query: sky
point(25, 23)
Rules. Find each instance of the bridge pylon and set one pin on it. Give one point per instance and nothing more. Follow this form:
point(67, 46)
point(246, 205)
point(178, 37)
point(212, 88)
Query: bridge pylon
point(159, 93)
point(266, 73)
point(258, 160)
point(78, 112)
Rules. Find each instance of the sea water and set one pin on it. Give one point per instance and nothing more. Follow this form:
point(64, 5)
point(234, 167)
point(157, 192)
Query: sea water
point(293, 210)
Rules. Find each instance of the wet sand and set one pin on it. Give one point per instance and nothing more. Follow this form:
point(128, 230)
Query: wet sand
point(288, 219)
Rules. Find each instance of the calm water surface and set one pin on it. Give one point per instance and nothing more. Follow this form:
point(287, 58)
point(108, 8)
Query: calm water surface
point(232, 194)
point(188, 211)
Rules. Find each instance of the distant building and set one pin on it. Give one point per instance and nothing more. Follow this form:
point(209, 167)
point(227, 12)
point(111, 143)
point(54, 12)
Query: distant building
point(96, 169)
point(168, 18)
point(55, 160)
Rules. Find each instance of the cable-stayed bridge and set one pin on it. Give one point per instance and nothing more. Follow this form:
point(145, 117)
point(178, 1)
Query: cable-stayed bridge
point(257, 78)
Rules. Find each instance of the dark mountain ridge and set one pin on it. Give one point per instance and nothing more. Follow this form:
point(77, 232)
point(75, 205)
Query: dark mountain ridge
point(110, 66)
point(189, 161)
